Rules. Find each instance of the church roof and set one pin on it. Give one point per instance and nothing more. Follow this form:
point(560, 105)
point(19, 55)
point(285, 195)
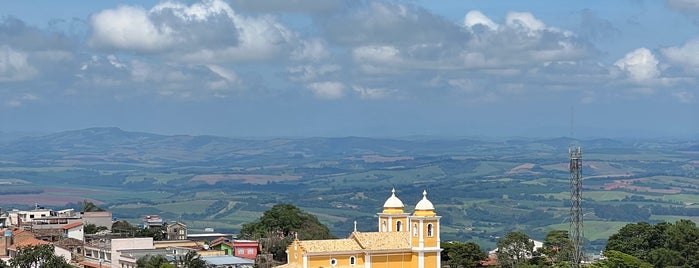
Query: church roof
point(393, 201)
point(382, 240)
point(424, 204)
point(331, 245)
point(359, 241)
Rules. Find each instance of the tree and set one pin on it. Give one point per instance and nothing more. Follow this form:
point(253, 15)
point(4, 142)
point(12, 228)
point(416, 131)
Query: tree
point(279, 225)
point(91, 228)
point(683, 237)
point(90, 207)
point(123, 227)
point(618, 259)
point(514, 249)
point(3, 264)
point(156, 261)
point(636, 239)
point(663, 245)
point(459, 254)
point(37, 256)
point(191, 260)
point(558, 246)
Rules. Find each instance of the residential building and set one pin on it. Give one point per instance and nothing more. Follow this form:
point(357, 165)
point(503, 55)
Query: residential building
point(73, 230)
point(152, 221)
point(247, 249)
point(176, 231)
point(105, 252)
point(403, 240)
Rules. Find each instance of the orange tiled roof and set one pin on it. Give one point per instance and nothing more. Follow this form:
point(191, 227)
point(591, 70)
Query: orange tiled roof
point(28, 242)
point(331, 245)
point(382, 241)
point(71, 225)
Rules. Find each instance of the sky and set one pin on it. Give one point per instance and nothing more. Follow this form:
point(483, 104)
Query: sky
point(448, 68)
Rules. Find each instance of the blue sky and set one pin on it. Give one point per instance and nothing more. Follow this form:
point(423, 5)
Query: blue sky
point(352, 68)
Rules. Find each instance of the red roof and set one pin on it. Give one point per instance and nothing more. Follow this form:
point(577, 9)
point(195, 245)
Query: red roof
point(28, 242)
point(71, 225)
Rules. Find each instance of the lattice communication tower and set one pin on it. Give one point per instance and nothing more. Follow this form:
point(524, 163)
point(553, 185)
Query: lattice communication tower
point(576, 215)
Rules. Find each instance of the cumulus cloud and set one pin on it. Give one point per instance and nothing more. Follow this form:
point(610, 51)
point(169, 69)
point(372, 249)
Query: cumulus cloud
point(204, 32)
point(686, 55)
point(389, 23)
point(327, 90)
point(474, 18)
point(129, 28)
point(14, 65)
point(640, 65)
point(310, 50)
point(300, 6)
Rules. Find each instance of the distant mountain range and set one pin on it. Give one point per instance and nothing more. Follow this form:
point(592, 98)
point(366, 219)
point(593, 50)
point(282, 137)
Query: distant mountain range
point(115, 145)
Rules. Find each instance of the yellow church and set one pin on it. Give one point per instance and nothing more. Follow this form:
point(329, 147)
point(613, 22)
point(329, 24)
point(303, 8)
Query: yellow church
point(403, 240)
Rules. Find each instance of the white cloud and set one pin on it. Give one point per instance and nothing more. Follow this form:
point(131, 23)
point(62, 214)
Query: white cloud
point(311, 50)
point(327, 90)
point(376, 54)
point(129, 28)
point(475, 17)
point(640, 65)
point(14, 65)
point(368, 93)
point(203, 32)
point(525, 21)
point(686, 55)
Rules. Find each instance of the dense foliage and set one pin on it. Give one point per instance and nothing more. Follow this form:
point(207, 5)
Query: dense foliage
point(515, 249)
point(125, 227)
point(661, 245)
point(156, 261)
point(558, 246)
point(191, 260)
point(37, 256)
point(279, 225)
point(91, 228)
point(462, 254)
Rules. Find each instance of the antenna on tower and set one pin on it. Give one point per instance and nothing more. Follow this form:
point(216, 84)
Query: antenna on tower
point(572, 117)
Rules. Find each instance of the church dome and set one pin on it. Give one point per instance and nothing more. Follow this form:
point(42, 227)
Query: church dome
point(424, 204)
point(393, 201)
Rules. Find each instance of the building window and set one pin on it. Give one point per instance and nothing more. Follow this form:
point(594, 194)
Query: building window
point(383, 226)
point(241, 251)
point(250, 251)
point(333, 262)
point(399, 226)
point(429, 230)
point(353, 260)
point(415, 230)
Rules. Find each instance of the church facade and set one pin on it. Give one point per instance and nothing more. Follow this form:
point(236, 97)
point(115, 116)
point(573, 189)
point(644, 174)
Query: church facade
point(403, 240)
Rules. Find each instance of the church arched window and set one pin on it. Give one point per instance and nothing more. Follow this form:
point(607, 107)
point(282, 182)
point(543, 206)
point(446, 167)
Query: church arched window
point(429, 230)
point(399, 226)
point(415, 230)
point(383, 226)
